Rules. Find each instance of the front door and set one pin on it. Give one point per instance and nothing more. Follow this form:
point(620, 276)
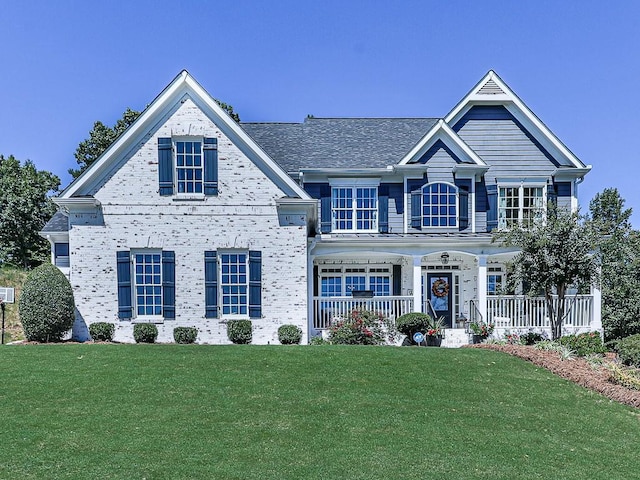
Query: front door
point(439, 292)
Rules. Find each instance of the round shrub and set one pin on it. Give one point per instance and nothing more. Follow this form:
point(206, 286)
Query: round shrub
point(289, 335)
point(410, 323)
point(46, 305)
point(239, 331)
point(145, 333)
point(185, 334)
point(361, 327)
point(584, 343)
point(102, 331)
point(629, 350)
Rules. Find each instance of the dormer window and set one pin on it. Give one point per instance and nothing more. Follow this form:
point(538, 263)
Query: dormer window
point(439, 205)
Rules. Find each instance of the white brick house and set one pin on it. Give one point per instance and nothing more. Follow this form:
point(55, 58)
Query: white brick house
point(191, 219)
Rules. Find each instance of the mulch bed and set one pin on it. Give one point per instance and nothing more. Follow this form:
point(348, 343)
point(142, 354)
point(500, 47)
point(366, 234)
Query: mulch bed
point(577, 370)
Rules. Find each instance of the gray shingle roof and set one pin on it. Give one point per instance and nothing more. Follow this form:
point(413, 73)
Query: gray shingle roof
point(339, 142)
point(58, 223)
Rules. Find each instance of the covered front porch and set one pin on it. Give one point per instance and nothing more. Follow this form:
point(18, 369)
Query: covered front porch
point(458, 286)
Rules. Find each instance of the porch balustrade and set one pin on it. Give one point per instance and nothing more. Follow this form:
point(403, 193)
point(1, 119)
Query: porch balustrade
point(515, 311)
point(326, 309)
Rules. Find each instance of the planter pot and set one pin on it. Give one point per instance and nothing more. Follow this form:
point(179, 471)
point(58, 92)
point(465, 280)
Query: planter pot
point(434, 340)
point(478, 338)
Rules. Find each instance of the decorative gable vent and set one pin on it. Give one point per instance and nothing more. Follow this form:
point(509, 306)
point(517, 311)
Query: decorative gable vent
point(490, 88)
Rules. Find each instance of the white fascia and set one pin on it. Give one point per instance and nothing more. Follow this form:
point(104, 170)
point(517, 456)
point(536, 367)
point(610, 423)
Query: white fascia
point(441, 131)
point(518, 109)
point(184, 85)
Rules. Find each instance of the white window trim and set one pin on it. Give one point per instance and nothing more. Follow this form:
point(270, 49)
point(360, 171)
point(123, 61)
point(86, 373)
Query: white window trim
point(521, 186)
point(354, 187)
point(422, 216)
point(174, 152)
point(135, 318)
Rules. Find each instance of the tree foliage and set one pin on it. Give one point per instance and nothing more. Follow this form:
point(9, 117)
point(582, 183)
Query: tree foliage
point(554, 255)
point(25, 206)
point(102, 136)
point(620, 258)
point(47, 308)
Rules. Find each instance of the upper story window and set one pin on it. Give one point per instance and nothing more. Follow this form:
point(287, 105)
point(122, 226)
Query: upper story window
point(520, 205)
point(439, 205)
point(188, 166)
point(354, 208)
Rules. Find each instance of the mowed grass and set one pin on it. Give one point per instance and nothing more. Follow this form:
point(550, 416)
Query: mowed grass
point(292, 412)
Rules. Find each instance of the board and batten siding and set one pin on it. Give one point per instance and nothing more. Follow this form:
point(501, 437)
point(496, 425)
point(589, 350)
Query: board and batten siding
point(243, 216)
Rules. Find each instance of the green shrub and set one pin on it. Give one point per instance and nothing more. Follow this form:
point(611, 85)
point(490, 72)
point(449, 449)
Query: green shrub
point(46, 305)
point(410, 323)
point(531, 338)
point(584, 343)
point(289, 334)
point(145, 333)
point(185, 334)
point(629, 350)
point(102, 331)
point(362, 327)
point(239, 331)
point(318, 341)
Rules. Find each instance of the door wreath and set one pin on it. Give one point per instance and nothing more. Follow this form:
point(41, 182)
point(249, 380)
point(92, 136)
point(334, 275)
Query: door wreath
point(440, 288)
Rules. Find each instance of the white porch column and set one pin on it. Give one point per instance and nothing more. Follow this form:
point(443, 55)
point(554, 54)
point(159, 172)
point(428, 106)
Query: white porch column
point(596, 321)
point(482, 286)
point(417, 283)
point(311, 331)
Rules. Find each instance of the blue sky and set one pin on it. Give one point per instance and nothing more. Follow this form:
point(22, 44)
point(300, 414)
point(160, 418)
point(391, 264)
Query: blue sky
point(575, 64)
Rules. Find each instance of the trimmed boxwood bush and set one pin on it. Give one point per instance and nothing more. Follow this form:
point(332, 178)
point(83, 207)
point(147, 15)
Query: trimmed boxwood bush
point(629, 350)
point(410, 323)
point(289, 334)
point(102, 331)
point(145, 333)
point(185, 334)
point(239, 331)
point(46, 305)
point(584, 343)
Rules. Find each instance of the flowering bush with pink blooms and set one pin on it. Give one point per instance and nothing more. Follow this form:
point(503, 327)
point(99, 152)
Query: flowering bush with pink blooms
point(361, 327)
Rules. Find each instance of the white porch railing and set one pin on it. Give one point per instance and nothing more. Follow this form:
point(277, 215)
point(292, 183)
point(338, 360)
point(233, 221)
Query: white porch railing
point(517, 311)
point(325, 309)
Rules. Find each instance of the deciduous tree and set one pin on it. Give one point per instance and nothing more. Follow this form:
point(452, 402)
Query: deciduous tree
point(25, 206)
point(554, 255)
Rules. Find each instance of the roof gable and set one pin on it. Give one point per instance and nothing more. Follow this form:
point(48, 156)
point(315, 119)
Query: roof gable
point(491, 90)
point(441, 132)
point(182, 87)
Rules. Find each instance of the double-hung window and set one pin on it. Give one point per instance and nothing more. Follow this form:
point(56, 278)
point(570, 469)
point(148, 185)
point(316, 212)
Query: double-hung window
point(354, 208)
point(521, 204)
point(339, 281)
point(234, 283)
point(148, 283)
point(189, 166)
point(494, 280)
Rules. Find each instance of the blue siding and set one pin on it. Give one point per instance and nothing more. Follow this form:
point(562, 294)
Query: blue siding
point(503, 143)
point(441, 161)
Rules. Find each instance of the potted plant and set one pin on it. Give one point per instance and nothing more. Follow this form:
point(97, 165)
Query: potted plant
point(434, 333)
point(481, 330)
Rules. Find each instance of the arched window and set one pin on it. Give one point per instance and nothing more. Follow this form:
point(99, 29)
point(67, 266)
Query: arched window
point(439, 205)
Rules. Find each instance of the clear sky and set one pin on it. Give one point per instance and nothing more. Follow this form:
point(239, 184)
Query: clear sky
point(576, 64)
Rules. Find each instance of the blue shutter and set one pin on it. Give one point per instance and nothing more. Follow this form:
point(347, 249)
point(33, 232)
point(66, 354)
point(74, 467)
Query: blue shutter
point(552, 196)
point(165, 166)
point(125, 311)
point(211, 284)
point(481, 197)
point(397, 280)
point(168, 284)
point(492, 207)
point(416, 209)
point(463, 202)
point(211, 166)
point(383, 208)
point(255, 284)
point(325, 209)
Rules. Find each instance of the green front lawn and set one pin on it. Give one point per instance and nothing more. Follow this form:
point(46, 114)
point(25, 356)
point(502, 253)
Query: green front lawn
point(236, 412)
